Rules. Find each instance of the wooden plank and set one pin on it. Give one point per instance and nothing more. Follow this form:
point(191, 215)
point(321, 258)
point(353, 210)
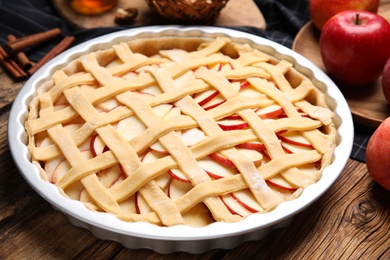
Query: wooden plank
point(351, 220)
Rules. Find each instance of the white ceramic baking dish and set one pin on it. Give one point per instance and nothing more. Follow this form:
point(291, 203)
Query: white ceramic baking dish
point(180, 238)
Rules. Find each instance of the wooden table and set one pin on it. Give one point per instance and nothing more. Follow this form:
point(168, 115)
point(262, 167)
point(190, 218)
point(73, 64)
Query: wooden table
point(351, 220)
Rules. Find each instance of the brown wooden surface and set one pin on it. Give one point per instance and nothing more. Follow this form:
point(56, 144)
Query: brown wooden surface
point(368, 105)
point(235, 13)
point(350, 221)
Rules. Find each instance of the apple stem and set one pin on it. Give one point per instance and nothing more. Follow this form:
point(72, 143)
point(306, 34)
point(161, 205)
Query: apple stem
point(357, 22)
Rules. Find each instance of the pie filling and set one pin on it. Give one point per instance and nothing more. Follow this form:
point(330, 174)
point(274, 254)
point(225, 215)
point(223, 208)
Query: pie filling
point(180, 131)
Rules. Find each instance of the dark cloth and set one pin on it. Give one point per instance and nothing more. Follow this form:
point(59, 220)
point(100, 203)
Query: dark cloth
point(284, 19)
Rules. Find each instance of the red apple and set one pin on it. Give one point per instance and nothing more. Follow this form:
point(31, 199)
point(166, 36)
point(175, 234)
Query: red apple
point(322, 10)
point(355, 47)
point(377, 155)
point(386, 81)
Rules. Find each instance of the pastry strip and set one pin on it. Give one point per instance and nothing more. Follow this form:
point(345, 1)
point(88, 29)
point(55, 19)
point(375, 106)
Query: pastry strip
point(73, 156)
point(186, 162)
point(126, 156)
point(319, 141)
point(265, 196)
point(97, 81)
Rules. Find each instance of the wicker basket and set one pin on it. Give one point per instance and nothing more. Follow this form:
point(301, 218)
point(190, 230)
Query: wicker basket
point(188, 11)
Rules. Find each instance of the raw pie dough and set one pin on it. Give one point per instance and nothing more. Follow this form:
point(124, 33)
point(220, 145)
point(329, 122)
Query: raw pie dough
point(180, 131)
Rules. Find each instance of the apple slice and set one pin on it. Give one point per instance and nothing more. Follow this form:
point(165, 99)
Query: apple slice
point(234, 124)
point(280, 182)
point(74, 190)
point(142, 207)
point(215, 67)
point(60, 101)
point(58, 163)
point(291, 148)
point(71, 128)
point(151, 156)
point(213, 105)
point(286, 148)
point(204, 97)
point(310, 168)
point(174, 111)
point(227, 66)
point(128, 205)
point(198, 216)
point(211, 99)
point(157, 146)
point(192, 136)
point(111, 176)
point(255, 156)
point(51, 165)
point(130, 75)
point(178, 188)
point(247, 200)
point(120, 177)
point(177, 174)
point(233, 117)
point(59, 107)
point(130, 127)
point(216, 170)
point(162, 110)
point(45, 142)
point(222, 160)
point(108, 104)
point(183, 80)
point(284, 115)
point(250, 91)
point(234, 206)
point(271, 111)
point(294, 138)
point(299, 110)
point(163, 180)
point(63, 166)
point(97, 145)
point(175, 55)
point(85, 88)
point(154, 90)
point(258, 146)
point(244, 85)
point(143, 95)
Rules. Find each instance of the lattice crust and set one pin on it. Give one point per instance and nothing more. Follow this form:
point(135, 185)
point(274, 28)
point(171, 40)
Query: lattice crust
point(180, 131)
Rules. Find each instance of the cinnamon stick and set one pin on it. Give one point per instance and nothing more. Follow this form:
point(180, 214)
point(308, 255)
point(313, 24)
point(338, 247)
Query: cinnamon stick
point(31, 40)
point(21, 58)
point(11, 66)
point(60, 47)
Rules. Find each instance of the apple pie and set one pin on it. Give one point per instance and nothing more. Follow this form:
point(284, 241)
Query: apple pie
point(180, 130)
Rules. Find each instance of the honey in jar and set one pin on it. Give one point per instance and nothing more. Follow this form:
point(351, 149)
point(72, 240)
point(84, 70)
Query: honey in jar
point(92, 7)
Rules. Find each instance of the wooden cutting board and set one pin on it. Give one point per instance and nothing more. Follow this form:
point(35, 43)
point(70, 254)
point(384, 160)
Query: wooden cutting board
point(368, 105)
point(235, 13)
